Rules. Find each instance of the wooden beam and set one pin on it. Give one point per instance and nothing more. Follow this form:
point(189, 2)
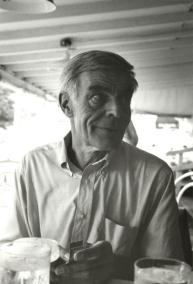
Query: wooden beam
point(103, 26)
point(158, 58)
point(67, 12)
point(39, 73)
point(27, 66)
point(185, 150)
point(7, 77)
point(180, 71)
point(169, 55)
point(166, 85)
point(37, 57)
point(132, 44)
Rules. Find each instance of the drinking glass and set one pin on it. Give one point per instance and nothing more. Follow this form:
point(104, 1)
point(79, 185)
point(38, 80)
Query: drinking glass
point(53, 245)
point(162, 271)
point(24, 263)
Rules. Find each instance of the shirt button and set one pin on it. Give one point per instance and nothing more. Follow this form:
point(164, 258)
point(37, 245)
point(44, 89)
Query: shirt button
point(82, 215)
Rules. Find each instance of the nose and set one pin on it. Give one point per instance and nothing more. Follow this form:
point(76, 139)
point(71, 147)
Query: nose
point(113, 109)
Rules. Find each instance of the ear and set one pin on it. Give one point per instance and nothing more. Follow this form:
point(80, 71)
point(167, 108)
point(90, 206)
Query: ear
point(65, 104)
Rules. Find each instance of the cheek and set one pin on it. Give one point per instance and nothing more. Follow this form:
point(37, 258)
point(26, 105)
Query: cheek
point(85, 119)
point(125, 115)
point(91, 115)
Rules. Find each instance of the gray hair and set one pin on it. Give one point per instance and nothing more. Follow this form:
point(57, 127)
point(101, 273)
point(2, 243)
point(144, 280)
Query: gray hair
point(95, 60)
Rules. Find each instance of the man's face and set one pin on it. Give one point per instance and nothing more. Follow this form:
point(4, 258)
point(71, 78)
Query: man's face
point(101, 110)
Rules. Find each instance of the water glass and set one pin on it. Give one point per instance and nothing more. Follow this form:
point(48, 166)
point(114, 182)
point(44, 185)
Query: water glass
point(53, 245)
point(24, 263)
point(162, 271)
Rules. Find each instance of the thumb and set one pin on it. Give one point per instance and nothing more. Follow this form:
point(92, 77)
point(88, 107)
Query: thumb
point(64, 254)
point(93, 252)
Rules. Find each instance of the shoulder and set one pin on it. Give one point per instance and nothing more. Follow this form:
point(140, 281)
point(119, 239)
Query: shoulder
point(44, 149)
point(149, 173)
point(39, 155)
point(138, 159)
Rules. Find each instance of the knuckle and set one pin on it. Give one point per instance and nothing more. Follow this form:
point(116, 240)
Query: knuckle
point(60, 270)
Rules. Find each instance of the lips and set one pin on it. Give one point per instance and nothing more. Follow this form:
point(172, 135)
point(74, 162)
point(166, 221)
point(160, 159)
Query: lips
point(108, 128)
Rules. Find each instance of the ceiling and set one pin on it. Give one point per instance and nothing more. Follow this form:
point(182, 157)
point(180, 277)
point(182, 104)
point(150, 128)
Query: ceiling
point(156, 36)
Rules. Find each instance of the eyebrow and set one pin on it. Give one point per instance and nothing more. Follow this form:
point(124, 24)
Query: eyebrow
point(100, 88)
point(107, 89)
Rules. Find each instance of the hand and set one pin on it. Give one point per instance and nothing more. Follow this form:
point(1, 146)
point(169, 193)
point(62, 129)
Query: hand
point(92, 265)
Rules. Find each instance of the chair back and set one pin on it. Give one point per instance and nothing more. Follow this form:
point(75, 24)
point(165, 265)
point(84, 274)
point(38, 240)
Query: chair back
point(185, 235)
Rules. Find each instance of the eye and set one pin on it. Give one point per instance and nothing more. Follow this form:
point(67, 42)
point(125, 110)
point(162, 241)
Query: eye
point(96, 101)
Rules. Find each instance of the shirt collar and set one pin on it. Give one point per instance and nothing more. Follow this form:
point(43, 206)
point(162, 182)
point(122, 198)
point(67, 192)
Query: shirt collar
point(65, 162)
point(63, 154)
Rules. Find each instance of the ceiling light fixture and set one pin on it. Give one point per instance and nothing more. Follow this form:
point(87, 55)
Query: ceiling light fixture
point(28, 6)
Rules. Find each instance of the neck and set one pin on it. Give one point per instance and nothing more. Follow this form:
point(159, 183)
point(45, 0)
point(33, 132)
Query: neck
point(82, 156)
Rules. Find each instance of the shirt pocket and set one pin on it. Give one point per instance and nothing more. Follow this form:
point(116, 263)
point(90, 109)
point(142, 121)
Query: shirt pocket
point(120, 237)
point(117, 235)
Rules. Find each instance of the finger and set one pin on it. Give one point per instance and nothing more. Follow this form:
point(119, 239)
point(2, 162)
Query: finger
point(94, 252)
point(68, 269)
point(65, 269)
point(75, 275)
point(101, 274)
point(76, 267)
point(97, 275)
point(64, 254)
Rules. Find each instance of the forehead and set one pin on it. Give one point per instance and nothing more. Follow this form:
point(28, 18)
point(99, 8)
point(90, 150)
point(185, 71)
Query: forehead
point(104, 79)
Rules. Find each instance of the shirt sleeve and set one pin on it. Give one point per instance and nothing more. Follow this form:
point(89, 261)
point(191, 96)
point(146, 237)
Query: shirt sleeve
point(13, 222)
point(160, 236)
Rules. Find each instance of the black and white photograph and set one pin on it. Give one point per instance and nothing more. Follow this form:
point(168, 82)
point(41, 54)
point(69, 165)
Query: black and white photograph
point(96, 142)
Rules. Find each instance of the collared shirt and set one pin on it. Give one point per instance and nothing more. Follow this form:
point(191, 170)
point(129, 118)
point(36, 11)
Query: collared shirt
point(126, 198)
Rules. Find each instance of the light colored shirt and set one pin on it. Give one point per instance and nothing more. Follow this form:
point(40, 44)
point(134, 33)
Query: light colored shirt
point(126, 198)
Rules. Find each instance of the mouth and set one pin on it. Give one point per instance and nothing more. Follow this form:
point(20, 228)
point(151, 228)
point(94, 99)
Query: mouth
point(107, 128)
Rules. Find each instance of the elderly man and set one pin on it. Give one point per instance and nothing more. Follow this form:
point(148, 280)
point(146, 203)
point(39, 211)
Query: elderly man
point(93, 189)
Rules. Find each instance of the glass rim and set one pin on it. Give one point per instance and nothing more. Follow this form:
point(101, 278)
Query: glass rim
point(174, 260)
point(51, 243)
point(43, 251)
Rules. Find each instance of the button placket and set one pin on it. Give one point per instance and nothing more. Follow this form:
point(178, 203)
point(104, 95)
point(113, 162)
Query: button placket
point(83, 210)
